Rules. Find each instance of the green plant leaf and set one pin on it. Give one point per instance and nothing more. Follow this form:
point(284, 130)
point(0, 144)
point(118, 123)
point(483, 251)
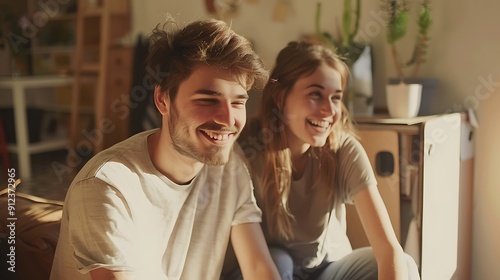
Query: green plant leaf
point(346, 23)
point(398, 26)
point(424, 20)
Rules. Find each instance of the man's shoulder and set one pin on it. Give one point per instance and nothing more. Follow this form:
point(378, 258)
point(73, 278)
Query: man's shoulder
point(119, 157)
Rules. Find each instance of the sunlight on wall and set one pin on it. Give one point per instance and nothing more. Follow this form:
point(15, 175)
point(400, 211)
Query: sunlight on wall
point(486, 211)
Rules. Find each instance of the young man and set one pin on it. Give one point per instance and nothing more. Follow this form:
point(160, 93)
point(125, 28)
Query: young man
point(164, 204)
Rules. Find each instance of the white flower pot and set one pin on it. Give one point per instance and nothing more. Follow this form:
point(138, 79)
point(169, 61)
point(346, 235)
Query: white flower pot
point(429, 90)
point(403, 100)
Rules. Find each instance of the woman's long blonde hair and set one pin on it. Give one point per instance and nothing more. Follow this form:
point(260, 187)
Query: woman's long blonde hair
point(296, 60)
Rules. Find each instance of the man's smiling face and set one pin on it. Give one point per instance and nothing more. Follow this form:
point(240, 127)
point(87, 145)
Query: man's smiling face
point(207, 115)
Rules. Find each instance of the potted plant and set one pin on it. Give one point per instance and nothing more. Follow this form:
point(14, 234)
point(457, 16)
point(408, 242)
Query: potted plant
point(359, 92)
point(344, 45)
point(403, 95)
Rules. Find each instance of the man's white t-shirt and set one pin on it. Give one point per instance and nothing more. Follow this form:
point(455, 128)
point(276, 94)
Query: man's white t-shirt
point(122, 214)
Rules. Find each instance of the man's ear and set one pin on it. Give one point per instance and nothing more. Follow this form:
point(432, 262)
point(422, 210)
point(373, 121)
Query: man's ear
point(162, 100)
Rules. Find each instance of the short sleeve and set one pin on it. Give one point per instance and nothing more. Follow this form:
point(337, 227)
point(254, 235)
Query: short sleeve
point(355, 170)
point(101, 230)
point(247, 210)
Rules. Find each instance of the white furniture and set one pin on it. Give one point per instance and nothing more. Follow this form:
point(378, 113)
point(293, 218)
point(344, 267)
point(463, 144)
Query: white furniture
point(426, 195)
point(24, 149)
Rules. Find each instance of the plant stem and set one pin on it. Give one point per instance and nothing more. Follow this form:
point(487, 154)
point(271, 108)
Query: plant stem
point(419, 55)
point(346, 23)
point(318, 16)
point(356, 22)
point(424, 22)
point(396, 63)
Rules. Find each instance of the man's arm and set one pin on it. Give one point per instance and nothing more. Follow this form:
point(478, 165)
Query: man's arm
point(252, 252)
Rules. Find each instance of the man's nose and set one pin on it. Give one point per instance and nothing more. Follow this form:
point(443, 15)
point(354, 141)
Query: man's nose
point(224, 114)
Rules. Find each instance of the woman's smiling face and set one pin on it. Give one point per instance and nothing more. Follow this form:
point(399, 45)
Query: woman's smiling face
point(313, 106)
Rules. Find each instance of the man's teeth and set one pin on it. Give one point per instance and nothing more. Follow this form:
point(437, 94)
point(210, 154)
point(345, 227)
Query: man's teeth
point(217, 136)
point(322, 124)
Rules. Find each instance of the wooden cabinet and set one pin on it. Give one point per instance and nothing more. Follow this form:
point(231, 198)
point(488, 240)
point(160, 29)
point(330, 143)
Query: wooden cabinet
point(386, 141)
point(82, 38)
point(418, 167)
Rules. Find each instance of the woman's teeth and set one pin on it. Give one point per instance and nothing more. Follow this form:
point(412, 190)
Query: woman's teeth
point(322, 124)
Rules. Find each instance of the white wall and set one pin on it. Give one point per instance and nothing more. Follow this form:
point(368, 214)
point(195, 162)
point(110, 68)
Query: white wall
point(463, 55)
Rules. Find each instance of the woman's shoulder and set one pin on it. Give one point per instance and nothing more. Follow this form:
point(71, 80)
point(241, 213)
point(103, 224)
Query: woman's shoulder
point(347, 140)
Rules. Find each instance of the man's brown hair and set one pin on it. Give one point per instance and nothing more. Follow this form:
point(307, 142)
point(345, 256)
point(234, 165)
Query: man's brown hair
point(174, 52)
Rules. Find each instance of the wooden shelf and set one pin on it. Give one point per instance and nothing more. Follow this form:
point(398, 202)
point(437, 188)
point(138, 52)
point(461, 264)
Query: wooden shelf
point(63, 17)
point(98, 28)
point(42, 146)
point(52, 49)
point(93, 68)
point(53, 44)
point(92, 12)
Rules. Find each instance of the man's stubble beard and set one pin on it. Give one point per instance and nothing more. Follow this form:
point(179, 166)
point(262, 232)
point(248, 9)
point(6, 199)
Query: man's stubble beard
point(179, 133)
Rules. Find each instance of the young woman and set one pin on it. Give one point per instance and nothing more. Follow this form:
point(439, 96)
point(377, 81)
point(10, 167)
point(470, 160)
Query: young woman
point(306, 164)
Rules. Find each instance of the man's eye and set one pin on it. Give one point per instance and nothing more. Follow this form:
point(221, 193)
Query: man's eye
point(239, 103)
point(206, 101)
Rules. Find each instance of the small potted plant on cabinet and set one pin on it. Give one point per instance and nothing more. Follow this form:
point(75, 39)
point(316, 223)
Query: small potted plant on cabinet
point(403, 95)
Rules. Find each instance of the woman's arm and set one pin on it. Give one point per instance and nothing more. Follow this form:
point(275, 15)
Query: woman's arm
point(252, 252)
point(106, 274)
point(390, 257)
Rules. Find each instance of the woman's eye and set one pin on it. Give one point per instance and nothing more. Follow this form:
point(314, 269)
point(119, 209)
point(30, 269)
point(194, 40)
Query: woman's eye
point(315, 95)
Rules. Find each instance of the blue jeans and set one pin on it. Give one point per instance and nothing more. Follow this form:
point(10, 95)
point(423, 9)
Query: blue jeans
point(358, 265)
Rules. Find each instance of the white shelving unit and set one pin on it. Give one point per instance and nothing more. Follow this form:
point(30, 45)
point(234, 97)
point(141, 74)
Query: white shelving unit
point(18, 88)
point(423, 187)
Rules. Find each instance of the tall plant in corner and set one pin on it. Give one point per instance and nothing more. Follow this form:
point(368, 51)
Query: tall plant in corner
point(398, 15)
point(344, 44)
point(347, 47)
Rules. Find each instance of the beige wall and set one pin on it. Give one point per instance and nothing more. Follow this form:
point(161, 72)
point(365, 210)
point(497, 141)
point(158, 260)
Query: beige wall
point(464, 55)
point(486, 213)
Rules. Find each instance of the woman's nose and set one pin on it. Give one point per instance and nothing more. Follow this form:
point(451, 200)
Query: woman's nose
point(328, 108)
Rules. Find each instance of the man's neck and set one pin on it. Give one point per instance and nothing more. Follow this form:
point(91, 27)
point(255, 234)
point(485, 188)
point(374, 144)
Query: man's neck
point(178, 168)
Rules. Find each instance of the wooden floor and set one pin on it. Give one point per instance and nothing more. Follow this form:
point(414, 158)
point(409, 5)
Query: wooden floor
point(51, 178)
